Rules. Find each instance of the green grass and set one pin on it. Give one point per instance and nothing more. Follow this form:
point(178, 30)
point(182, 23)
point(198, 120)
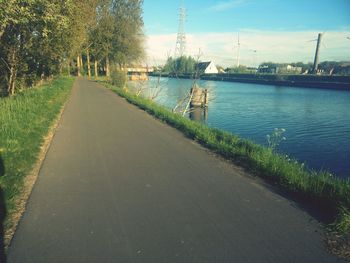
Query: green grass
point(319, 189)
point(25, 120)
point(342, 223)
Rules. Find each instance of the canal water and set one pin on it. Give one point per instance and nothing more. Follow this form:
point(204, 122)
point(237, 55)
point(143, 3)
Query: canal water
point(317, 121)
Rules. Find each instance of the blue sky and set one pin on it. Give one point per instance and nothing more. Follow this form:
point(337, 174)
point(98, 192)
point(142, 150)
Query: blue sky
point(216, 24)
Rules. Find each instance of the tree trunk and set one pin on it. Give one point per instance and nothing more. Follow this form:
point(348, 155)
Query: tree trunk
point(96, 69)
point(81, 63)
point(12, 80)
point(68, 67)
point(78, 66)
point(108, 74)
point(9, 84)
point(88, 63)
point(13, 75)
point(61, 68)
point(13, 83)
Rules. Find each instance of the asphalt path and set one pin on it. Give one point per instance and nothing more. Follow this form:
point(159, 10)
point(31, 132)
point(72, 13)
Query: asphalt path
point(119, 186)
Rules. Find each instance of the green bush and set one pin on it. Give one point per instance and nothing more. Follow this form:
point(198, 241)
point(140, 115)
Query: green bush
point(118, 78)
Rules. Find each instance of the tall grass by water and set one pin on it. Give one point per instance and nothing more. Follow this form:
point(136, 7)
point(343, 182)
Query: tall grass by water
point(317, 188)
point(25, 120)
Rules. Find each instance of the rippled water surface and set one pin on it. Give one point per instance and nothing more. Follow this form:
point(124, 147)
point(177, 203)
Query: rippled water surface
point(317, 121)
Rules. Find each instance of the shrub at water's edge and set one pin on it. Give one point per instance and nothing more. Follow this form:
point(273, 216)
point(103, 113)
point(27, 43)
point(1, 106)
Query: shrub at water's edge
point(320, 189)
point(25, 121)
point(118, 77)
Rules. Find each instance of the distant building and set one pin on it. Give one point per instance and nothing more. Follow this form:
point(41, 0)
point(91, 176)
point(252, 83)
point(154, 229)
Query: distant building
point(207, 68)
point(252, 69)
point(293, 69)
point(280, 69)
point(268, 69)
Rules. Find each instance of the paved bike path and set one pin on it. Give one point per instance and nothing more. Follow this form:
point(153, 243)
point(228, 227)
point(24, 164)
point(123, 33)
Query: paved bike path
point(119, 186)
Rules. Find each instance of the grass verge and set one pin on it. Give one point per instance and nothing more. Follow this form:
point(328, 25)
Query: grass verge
point(321, 190)
point(25, 121)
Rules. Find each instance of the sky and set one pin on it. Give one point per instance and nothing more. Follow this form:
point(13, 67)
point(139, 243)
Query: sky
point(269, 30)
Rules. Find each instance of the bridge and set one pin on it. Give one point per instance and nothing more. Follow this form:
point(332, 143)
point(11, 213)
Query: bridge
point(139, 73)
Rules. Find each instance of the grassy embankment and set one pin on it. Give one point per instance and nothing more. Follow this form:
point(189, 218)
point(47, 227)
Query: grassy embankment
point(25, 120)
point(319, 189)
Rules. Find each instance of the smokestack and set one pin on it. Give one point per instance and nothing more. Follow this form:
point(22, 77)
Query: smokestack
point(317, 53)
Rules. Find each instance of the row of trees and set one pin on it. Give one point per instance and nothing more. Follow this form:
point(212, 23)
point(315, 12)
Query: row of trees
point(41, 38)
point(325, 67)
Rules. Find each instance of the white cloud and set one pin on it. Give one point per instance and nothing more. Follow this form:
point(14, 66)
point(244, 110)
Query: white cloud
point(159, 47)
point(223, 6)
point(269, 46)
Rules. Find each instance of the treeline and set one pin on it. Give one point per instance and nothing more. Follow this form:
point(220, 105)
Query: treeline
point(180, 65)
point(324, 68)
point(327, 67)
point(42, 38)
point(303, 66)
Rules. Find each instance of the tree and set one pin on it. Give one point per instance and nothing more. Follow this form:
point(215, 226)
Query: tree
point(101, 36)
point(181, 65)
point(240, 69)
point(128, 36)
point(83, 18)
point(38, 38)
point(32, 38)
point(118, 36)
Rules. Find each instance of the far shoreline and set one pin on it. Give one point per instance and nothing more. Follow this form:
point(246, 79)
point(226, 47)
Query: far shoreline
point(302, 81)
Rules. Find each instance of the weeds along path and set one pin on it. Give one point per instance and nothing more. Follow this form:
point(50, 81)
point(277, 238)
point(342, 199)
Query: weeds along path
point(25, 123)
point(118, 185)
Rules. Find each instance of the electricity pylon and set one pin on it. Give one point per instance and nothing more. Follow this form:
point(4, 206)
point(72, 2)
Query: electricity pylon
point(180, 48)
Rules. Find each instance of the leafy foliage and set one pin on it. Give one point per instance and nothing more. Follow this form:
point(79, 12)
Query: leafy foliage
point(32, 40)
point(240, 69)
point(119, 78)
point(333, 67)
point(39, 38)
point(117, 37)
point(326, 67)
point(181, 65)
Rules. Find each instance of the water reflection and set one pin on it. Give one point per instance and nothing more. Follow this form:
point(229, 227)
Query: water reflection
point(199, 114)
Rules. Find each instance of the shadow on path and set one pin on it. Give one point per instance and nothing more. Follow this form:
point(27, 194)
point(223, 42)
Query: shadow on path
point(2, 216)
